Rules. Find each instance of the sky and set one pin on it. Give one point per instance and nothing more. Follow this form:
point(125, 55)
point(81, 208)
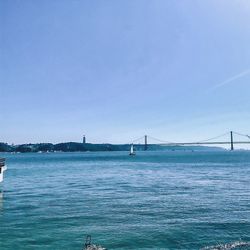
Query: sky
point(116, 70)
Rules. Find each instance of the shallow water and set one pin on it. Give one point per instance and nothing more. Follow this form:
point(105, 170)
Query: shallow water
point(156, 200)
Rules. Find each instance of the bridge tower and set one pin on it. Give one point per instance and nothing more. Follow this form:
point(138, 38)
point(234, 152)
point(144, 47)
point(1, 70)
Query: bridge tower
point(145, 142)
point(232, 142)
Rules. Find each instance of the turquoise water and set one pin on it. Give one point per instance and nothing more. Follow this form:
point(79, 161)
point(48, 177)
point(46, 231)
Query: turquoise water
point(156, 200)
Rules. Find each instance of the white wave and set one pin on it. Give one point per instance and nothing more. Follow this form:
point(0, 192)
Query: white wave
point(228, 246)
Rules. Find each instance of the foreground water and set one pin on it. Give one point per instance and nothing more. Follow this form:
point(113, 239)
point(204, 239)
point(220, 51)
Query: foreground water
point(156, 200)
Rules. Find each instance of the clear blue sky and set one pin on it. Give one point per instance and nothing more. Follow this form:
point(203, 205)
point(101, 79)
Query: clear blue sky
point(115, 70)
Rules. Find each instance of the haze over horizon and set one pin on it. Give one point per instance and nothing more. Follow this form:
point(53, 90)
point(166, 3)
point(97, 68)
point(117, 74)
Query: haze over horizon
point(116, 70)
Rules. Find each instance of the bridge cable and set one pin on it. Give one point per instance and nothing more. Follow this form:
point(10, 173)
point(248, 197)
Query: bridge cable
point(159, 140)
point(135, 140)
point(244, 135)
point(213, 138)
point(209, 139)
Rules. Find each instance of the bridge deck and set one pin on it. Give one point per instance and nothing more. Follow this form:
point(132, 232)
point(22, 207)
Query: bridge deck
point(204, 143)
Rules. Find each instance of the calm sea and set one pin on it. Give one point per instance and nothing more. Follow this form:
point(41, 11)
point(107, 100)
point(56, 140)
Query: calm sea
point(155, 200)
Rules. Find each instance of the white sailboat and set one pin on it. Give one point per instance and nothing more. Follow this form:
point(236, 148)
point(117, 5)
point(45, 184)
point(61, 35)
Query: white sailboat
point(2, 168)
point(132, 152)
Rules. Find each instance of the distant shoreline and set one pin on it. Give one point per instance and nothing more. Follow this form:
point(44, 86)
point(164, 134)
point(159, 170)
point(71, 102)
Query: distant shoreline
point(84, 147)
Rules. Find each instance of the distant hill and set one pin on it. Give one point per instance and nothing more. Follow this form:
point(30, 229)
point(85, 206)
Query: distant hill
point(83, 147)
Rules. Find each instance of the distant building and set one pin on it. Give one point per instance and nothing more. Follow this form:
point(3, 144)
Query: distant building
point(84, 139)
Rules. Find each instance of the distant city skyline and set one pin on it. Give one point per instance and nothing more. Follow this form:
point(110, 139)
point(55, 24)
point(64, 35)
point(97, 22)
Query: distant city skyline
point(117, 70)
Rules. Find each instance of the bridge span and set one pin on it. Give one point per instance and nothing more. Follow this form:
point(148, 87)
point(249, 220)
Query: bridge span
point(210, 141)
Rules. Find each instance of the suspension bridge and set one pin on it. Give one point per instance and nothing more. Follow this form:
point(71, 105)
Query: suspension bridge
point(228, 139)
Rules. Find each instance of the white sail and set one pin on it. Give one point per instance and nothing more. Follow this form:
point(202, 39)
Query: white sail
point(1, 172)
point(132, 152)
point(2, 168)
point(132, 149)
